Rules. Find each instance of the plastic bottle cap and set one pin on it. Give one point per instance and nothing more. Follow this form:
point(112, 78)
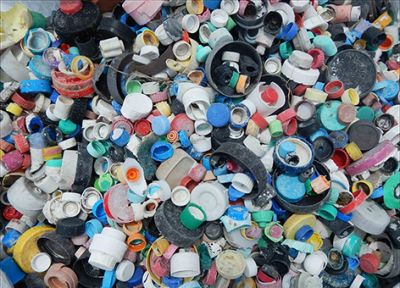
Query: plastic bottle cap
point(41, 262)
point(71, 7)
point(269, 95)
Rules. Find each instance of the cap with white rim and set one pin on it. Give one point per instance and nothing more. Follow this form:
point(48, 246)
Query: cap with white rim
point(41, 262)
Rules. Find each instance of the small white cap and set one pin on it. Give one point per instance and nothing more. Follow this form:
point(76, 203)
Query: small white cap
point(190, 23)
point(273, 65)
point(41, 262)
point(219, 18)
point(230, 6)
point(243, 183)
point(180, 196)
point(125, 270)
point(182, 50)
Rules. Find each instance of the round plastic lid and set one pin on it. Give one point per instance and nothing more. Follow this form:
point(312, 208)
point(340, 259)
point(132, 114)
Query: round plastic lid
point(41, 262)
point(218, 115)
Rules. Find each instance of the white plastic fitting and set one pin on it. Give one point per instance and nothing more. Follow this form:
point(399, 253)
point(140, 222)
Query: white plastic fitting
point(107, 248)
point(111, 47)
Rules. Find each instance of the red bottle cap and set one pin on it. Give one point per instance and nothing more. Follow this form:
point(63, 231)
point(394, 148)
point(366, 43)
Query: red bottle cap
point(341, 158)
point(369, 263)
point(71, 7)
point(182, 122)
point(300, 90)
point(10, 212)
point(142, 127)
point(269, 95)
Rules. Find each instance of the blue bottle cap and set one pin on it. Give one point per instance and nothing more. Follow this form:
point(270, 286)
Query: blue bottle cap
point(304, 233)
point(137, 277)
point(278, 210)
point(98, 211)
point(9, 139)
point(161, 151)
point(285, 148)
point(353, 262)
point(172, 282)
point(35, 125)
point(10, 238)
point(40, 68)
point(73, 51)
point(11, 269)
point(93, 227)
point(344, 217)
point(319, 86)
point(194, 154)
point(160, 125)
point(184, 139)
point(120, 137)
point(150, 238)
point(234, 194)
point(293, 253)
point(220, 170)
point(218, 115)
point(290, 188)
point(35, 86)
point(205, 161)
point(53, 97)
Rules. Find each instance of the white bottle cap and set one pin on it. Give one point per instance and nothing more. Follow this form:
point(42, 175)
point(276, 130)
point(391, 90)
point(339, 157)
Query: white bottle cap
point(230, 6)
point(182, 50)
point(190, 23)
point(136, 106)
point(219, 18)
point(180, 196)
point(41, 262)
point(125, 270)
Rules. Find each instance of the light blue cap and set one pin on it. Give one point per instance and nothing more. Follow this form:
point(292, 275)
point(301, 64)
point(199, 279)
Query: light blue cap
point(160, 125)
